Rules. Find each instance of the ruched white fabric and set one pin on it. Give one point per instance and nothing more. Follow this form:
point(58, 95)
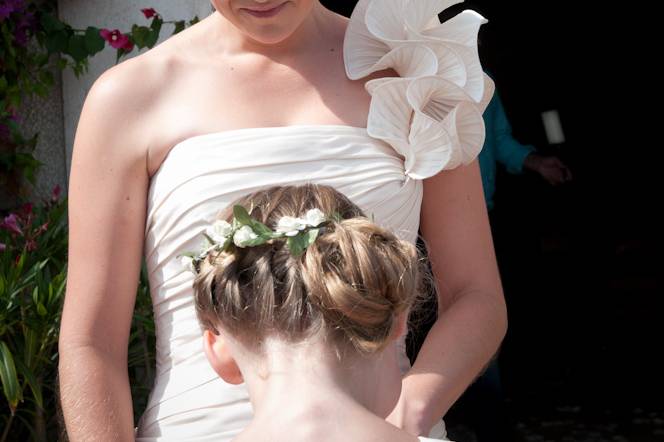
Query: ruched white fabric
point(425, 121)
point(432, 113)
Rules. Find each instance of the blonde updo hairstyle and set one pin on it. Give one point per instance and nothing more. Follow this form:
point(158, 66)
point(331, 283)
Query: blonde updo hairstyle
point(349, 286)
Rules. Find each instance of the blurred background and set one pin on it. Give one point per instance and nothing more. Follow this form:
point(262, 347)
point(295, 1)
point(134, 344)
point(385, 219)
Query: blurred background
point(578, 240)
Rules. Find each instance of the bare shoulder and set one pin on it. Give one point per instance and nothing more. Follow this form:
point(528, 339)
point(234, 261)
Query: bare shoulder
point(122, 99)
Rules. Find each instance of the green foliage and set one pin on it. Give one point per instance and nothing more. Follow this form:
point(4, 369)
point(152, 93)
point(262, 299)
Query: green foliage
point(32, 287)
point(26, 63)
point(33, 264)
point(33, 271)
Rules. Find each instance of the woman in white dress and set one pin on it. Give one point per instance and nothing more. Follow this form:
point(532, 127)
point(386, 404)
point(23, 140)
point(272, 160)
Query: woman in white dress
point(385, 107)
point(300, 299)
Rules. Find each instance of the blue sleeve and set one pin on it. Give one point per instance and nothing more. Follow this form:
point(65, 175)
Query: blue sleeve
point(509, 151)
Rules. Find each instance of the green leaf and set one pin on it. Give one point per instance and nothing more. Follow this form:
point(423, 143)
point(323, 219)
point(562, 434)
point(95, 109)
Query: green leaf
point(46, 77)
point(261, 229)
point(35, 295)
point(156, 24)
point(140, 35)
point(21, 263)
point(255, 242)
point(57, 41)
point(31, 380)
point(179, 27)
point(209, 238)
point(93, 41)
point(31, 349)
point(336, 216)
point(155, 27)
point(76, 47)
point(151, 39)
point(310, 236)
point(296, 244)
point(241, 214)
point(10, 385)
point(51, 23)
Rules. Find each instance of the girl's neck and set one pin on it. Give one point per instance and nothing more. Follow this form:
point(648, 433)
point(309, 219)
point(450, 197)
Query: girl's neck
point(297, 382)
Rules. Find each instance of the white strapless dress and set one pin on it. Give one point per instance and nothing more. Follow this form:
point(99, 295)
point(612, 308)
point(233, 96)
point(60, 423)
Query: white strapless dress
point(427, 120)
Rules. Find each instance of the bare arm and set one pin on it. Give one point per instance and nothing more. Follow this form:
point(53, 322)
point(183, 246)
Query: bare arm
point(472, 317)
point(107, 210)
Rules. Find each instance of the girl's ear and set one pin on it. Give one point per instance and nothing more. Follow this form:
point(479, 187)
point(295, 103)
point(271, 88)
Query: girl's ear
point(219, 355)
point(401, 325)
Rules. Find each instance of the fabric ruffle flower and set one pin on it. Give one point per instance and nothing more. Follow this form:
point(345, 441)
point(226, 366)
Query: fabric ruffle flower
point(432, 113)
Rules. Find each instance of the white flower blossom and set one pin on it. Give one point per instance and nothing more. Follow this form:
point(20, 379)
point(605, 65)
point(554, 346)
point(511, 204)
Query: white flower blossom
point(315, 217)
point(290, 226)
point(188, 263)
point(243, 235)
point(207, 250)
point(219, 231)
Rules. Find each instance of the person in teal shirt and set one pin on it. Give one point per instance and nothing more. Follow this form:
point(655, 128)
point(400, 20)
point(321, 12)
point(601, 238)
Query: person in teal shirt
point(501, 147)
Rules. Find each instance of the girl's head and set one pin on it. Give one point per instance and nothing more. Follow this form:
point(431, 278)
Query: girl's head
point(261, 22)
point(352, 287)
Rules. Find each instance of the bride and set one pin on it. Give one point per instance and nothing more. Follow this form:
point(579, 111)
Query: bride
point(385, 107)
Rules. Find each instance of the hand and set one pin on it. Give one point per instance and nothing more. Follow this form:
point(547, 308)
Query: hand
point(550, 168)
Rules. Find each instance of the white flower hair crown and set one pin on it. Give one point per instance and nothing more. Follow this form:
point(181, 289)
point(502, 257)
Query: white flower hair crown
point(244, 231)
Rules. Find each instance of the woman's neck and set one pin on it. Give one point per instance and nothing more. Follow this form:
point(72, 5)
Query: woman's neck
point(309, 35)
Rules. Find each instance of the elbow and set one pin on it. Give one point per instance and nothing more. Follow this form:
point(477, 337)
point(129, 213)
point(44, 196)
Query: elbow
point(501, 318)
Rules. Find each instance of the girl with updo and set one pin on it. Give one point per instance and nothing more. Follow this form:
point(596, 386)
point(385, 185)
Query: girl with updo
point(308, 330)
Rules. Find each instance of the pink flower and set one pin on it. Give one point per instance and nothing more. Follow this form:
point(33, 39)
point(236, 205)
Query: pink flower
point(149, 12)
point(11, 223)
point(26, 208)
point(26, 25)
point(5, 11)
point(42, 228)
point(55, 193)
point(116, 38)
point(9, 6)
point(31, 245)
point(21, 36)
point(2, 247)
point(128, 46)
